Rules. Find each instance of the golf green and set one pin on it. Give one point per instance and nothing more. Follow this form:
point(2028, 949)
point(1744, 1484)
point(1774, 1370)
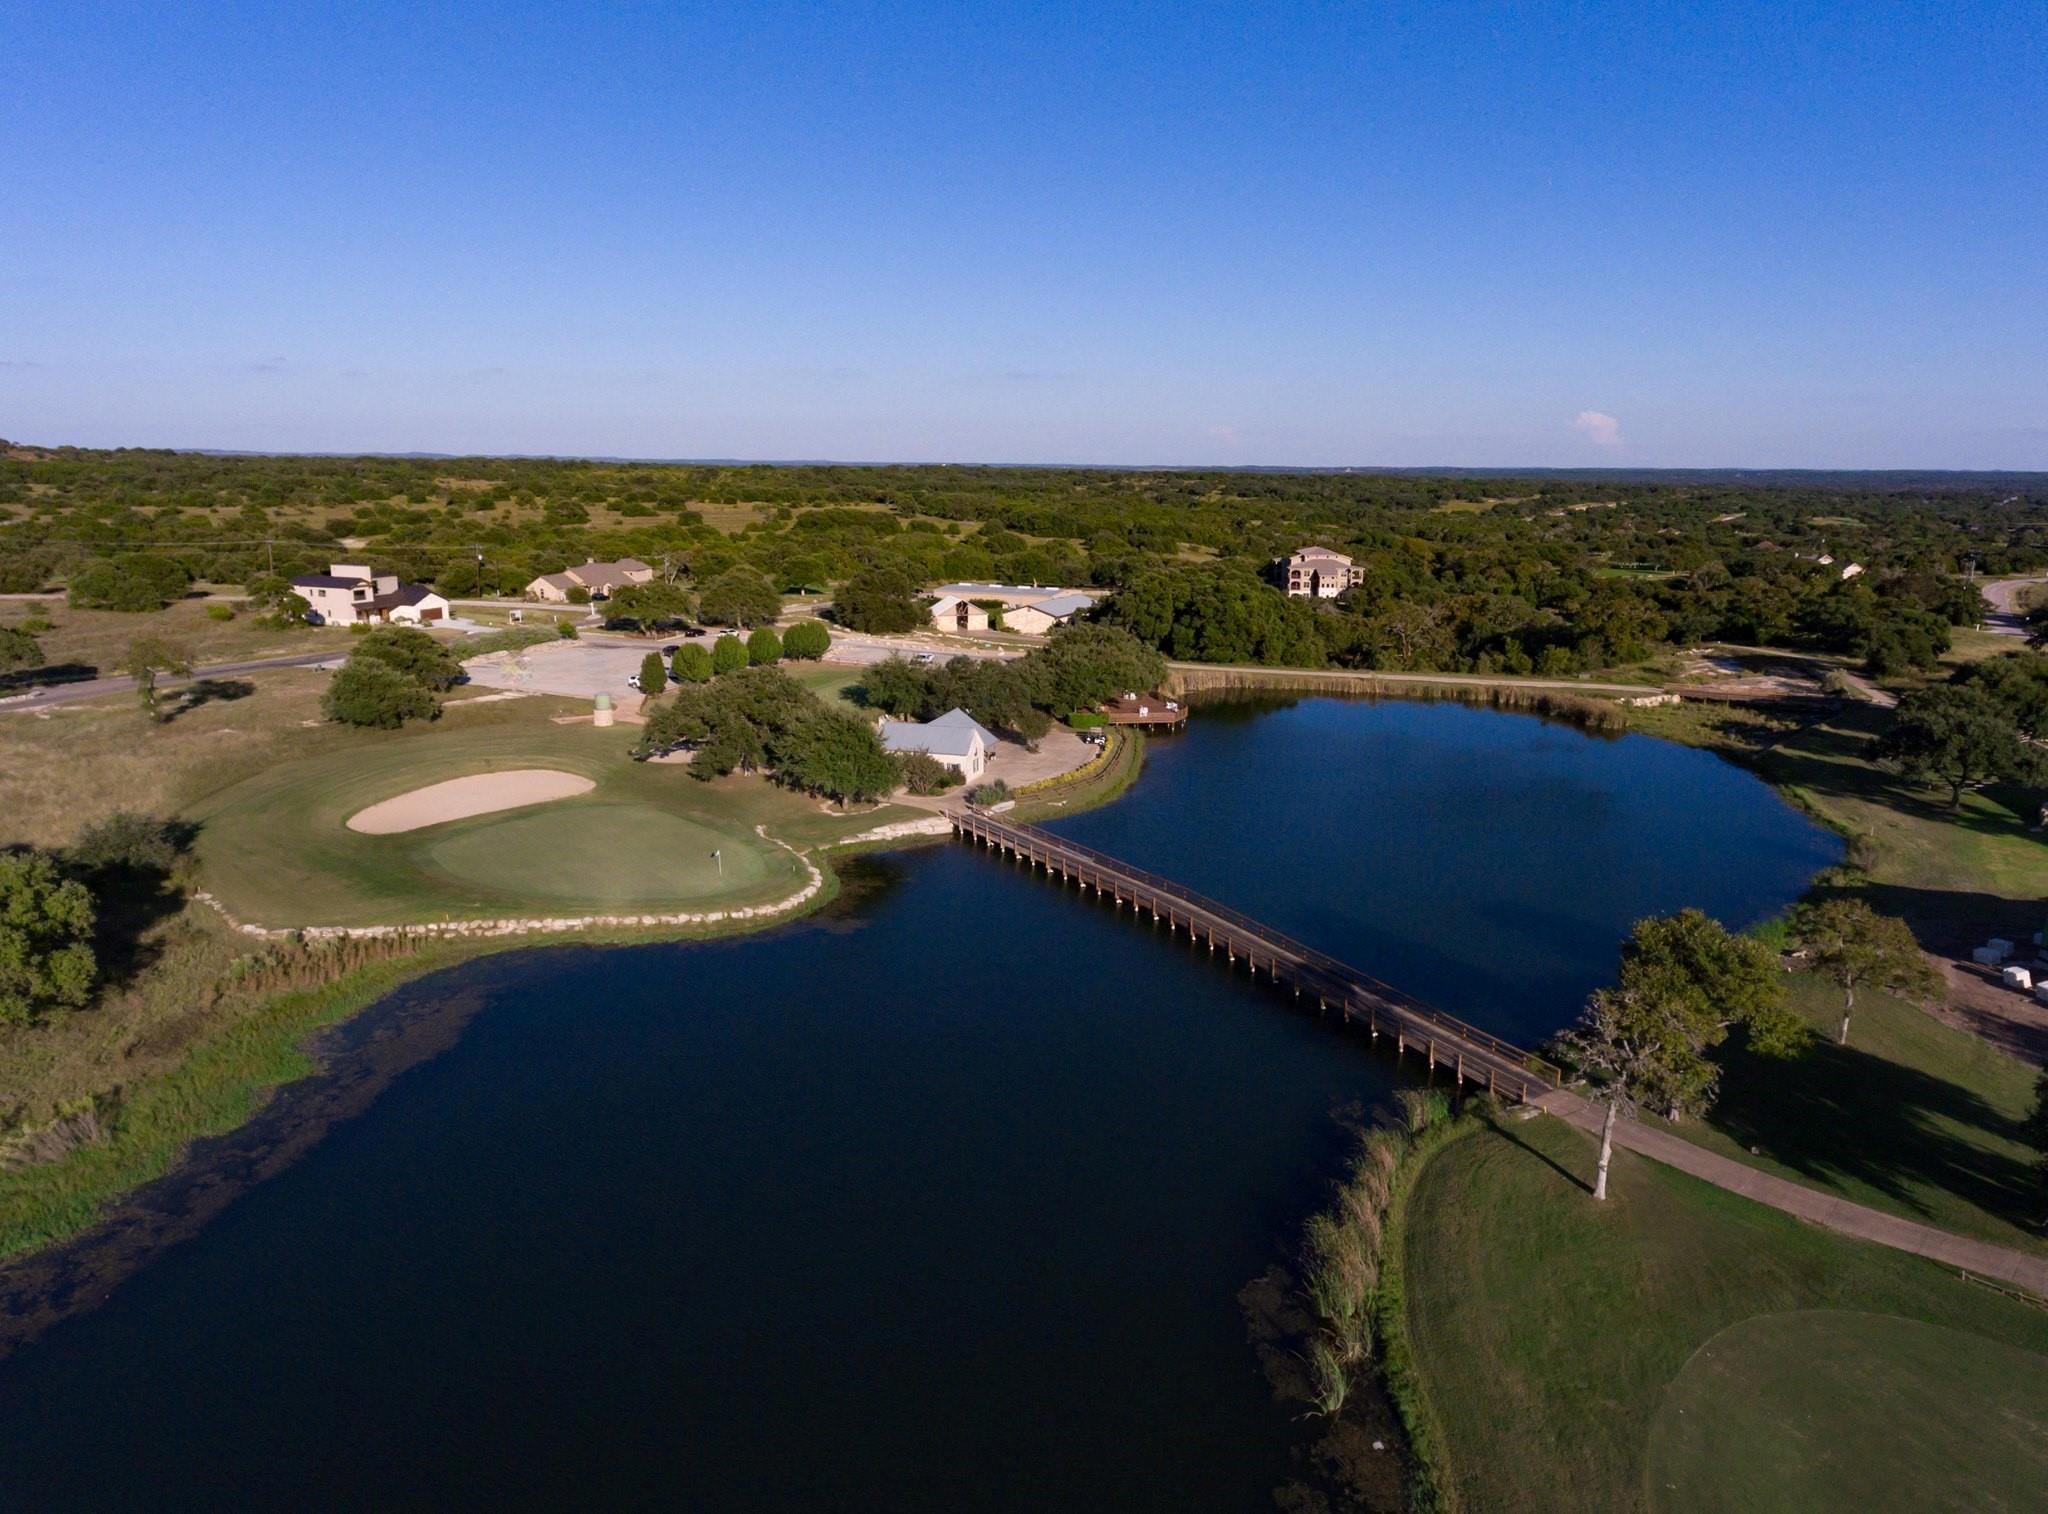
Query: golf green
point(595, 853)
point(1834, 1409)
point(276, 848)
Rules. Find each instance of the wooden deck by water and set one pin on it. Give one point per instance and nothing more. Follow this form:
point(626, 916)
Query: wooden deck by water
point(1470, 1053)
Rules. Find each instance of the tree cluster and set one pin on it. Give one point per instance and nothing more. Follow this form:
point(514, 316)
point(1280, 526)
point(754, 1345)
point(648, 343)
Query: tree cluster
point(760, 718)
point(395, 674)
point(879, 599)
point(1078, 667)
point(46, 932)
point(1537, 573)
point(1981, 727)
point(1685, 982)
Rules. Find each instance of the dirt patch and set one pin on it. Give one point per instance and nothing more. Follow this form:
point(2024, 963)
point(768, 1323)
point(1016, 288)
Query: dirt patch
point(1979, 1002)
point(459, 798)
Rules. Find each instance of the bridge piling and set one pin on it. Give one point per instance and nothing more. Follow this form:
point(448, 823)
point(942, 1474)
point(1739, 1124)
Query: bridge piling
point(1506, 1067)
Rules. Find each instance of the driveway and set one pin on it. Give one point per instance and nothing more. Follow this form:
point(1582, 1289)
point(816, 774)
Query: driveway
point(2006, 617)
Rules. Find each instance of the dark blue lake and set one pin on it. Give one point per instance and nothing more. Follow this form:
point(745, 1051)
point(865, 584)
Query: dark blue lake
point(938, 1201)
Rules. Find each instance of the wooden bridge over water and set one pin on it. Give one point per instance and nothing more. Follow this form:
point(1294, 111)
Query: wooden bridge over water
point(1470, 1053)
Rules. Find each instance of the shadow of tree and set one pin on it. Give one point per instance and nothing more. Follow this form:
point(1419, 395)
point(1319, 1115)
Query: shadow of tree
point(208, 691)
point(1842, 1114)
point(1505, 1125)
point(131, 900)
point(49, 675)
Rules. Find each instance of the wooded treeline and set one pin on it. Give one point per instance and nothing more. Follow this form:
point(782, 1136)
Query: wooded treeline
point(1543, 574)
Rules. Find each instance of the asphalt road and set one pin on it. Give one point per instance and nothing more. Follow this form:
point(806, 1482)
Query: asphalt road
point(2006, 618)
point(94, 688)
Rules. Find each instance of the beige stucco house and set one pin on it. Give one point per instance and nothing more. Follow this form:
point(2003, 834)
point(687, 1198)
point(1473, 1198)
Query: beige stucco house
point(348, 593)
point(594, 578)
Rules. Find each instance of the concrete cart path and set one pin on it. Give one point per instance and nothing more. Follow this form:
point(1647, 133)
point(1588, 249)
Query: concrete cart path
point(2017, 1268)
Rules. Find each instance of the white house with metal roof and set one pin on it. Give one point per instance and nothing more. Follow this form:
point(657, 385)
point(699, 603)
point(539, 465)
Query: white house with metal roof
point(956, 739)
point(1032, 611)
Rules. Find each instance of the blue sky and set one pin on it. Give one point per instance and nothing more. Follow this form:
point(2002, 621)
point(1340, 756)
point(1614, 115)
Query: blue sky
point(1555, 234)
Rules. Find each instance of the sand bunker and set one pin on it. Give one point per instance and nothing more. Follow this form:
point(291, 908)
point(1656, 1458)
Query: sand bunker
point(460, 798)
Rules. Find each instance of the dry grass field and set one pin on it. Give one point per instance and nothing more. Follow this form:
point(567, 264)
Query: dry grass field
point(83, 643)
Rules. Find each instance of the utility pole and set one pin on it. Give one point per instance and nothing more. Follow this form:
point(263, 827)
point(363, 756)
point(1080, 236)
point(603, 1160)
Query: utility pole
point(479, 572)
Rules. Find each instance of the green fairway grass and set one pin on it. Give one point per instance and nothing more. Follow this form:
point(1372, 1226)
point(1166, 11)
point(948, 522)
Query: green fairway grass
point(1548, 1330)
point(572, 853)
point(1912, 1116)
point(275, 848)
point(1833, 1409)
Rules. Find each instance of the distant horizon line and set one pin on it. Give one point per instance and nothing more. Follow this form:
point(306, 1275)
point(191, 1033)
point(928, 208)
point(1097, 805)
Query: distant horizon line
point(1436, 470)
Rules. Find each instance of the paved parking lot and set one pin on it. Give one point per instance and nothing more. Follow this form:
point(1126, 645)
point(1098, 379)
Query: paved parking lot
point(575, 669)
point(593, 665)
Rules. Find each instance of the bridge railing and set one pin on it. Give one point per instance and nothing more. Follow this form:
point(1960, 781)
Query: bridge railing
point(1309, 956)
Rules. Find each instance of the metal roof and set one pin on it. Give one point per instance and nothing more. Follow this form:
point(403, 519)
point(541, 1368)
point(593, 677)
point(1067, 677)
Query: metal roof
point(939, 740)
point(1060, 606)
point(958, 719)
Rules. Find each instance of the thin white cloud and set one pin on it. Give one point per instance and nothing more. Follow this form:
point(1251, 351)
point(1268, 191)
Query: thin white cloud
point(1602, 429)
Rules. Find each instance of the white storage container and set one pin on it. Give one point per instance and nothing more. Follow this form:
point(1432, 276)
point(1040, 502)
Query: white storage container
point(1984, 956)
point(2018, 977)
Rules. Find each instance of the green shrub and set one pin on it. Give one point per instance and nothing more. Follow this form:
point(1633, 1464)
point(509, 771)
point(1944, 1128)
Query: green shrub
point(764, 648)
point(653, 675)
point(729, 656)
point(807, 641)
point(691, 664)
point(220, 612)
point(370, 692)
point(922, 773)
point(566, 630)
point(18, 650)
point(130, 842)
point(994, 792)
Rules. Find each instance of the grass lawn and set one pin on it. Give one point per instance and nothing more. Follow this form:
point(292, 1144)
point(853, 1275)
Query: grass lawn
point(1912, 1116)
point(1557, 1340)
point(831, 682)
point(1940, 869)
point(1835, 1409)
point(274, 848)
point(1968, 645)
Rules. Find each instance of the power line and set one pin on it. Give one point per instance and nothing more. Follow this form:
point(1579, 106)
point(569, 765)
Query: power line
point(252, 541)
